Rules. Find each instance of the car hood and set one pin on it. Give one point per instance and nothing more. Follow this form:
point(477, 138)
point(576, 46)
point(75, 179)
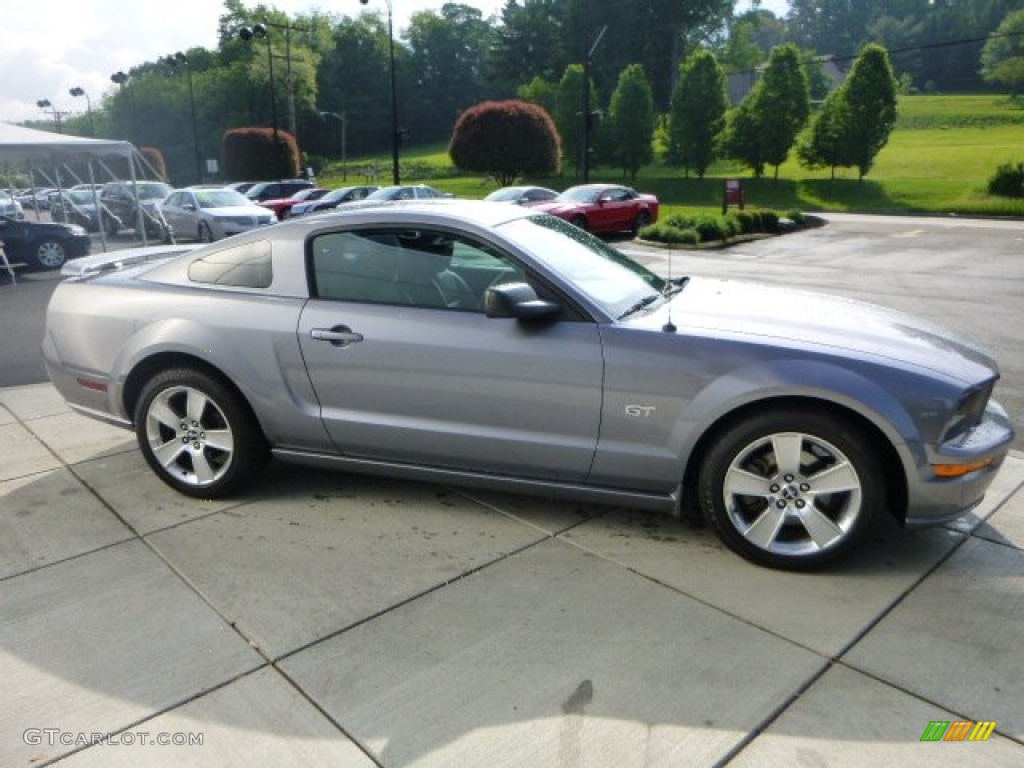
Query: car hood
point(805, 318)
point(240, 210)
point(556, 207)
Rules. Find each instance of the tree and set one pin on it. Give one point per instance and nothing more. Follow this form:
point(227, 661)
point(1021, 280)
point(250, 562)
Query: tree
point(541, 92)
point(869, 101)
point(1002, 58)
point(697, 117)
point(631, 117)
point(742, 137)
point(528, 43)
point(765, 126)
point(505, 139)
point(446, 51)
point(822, 146)
point(781, 104)
point(568, 112)
point(253, 153)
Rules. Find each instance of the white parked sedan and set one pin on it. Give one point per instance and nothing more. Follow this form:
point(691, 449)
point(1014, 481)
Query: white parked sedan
point(212, 214)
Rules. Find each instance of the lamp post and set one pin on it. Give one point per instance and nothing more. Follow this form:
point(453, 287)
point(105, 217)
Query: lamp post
point(260, 30)
point(173, 62)
point(122, 79)
point(76, 91)
point(395, 137)
point(56, 114)
point(342, 126)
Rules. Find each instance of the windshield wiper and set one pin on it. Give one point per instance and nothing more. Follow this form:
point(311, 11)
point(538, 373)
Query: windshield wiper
point(672, 287)
point(646, 301)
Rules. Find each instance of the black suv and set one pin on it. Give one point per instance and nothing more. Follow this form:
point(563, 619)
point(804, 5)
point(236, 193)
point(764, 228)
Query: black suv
point(276, 190)
point(42, 245)
point(118, 203)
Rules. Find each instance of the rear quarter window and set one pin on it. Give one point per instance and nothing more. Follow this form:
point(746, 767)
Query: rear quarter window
point(248, 265)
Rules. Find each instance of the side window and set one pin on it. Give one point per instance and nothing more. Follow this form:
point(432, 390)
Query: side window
point(243, 266)
point(420, 268)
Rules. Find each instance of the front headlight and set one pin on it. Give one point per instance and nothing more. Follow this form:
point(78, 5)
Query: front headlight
point(969, 412)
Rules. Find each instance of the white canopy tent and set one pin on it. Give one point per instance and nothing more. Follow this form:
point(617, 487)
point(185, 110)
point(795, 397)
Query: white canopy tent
point(25, 149)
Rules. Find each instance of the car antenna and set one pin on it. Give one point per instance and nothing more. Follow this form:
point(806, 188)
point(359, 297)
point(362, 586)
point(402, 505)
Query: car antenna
point(669, 326)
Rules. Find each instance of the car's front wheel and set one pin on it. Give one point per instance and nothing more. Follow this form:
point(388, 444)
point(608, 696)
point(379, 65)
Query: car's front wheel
point(49, 253)
point(579, 220)
point(197, 435)
point(795, 490)
point(205, 233)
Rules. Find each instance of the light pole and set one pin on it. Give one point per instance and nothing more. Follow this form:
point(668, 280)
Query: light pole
point(260, 30)
point(122, 79)
point(181, 59)
point(395, 137)
point(56, 114)
point(342, 125)
point(76, 91)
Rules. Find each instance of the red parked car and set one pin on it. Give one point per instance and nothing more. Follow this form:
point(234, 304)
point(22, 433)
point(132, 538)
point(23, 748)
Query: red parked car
point(603, 208)
point(282, 206)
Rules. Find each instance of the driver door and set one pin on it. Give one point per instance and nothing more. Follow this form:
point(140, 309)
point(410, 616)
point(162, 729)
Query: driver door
point(403, 376)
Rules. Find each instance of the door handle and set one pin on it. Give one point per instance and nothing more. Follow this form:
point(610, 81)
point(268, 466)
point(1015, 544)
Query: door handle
point(338, 336)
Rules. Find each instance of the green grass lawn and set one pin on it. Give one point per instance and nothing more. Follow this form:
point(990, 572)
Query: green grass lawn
point(938, 160)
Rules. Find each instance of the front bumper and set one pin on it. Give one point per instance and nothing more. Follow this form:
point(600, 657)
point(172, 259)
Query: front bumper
point(934, 499)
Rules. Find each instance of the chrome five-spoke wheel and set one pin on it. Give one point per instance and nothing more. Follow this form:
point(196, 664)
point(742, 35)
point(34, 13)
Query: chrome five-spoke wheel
point(791, 491)
point(197, 434)
point(189, 435)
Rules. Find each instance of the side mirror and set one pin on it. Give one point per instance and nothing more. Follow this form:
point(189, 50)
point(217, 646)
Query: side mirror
point(189, 206)
point(518, 300)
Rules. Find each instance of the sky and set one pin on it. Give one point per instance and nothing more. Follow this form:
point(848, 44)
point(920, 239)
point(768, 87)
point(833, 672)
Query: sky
point(49, 48)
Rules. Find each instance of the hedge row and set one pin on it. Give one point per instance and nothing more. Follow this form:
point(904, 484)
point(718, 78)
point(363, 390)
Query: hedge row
point(709, 228)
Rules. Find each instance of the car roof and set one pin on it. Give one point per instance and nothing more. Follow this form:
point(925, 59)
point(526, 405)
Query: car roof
point(423, 211)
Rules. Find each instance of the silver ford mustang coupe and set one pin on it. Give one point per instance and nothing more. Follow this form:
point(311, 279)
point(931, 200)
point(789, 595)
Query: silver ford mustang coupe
point(488, 345)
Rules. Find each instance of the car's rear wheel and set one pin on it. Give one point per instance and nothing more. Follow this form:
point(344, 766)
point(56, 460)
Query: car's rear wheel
point(205, 233)
point(792, 490)
point(111, 226)
point(197, 435)
point(49, 253)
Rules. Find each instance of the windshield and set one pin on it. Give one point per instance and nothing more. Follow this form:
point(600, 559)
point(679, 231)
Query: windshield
point(388, 193)
point(153, 191)
point(580, 194)
point(606, 276)
point(221, 198)
point(80, 196)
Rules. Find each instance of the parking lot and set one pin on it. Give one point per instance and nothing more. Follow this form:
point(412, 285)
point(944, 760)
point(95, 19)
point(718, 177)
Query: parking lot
point(334, 619)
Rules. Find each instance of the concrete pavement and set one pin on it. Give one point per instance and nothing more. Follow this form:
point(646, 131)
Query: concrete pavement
point(330, 619)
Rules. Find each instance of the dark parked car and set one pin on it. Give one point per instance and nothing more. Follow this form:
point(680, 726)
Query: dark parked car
point(488, 344)
point(282, 206)
point(117, 199)
point(333, 199)
point(273, 190)
point(42, 245)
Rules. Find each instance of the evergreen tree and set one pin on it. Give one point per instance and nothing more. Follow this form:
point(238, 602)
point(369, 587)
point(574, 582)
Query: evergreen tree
point(1002, 58)
point(869, 100)
point(631, 117)
point(781, 104)
point(697, 117)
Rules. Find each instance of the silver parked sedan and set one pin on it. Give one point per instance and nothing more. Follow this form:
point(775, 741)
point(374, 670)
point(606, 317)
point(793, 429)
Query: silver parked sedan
point(208, 214)
point(490, 345)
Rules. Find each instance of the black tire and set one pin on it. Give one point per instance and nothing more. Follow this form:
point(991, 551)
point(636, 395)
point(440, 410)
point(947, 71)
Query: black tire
point(778, 513)
point(111, 226)
point(49, 253)
point(205, 233)
point(643, 219)
point(579, 220)
point(197, 435)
